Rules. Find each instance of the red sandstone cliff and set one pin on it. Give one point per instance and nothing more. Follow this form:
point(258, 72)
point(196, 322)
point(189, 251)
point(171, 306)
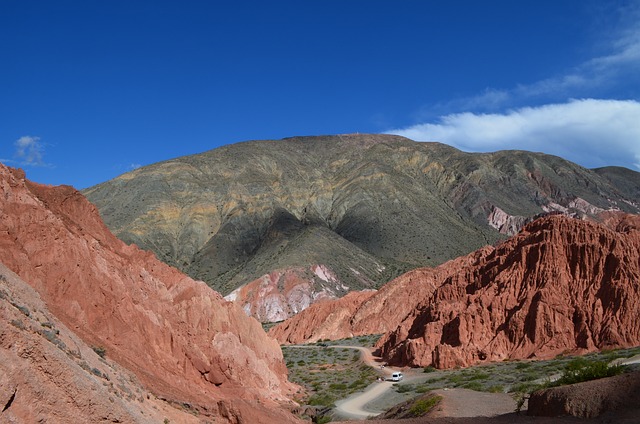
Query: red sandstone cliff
point(180, 338)
point(48, 374)
point(560, 285)
point(366, 312)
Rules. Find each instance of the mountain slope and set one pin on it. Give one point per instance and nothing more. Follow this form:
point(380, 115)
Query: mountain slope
point(49, 374)
point(181, 340)
point(403, 204)
point(560, 285)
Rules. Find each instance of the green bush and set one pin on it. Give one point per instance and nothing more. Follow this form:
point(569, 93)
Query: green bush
point(479, 376)
point(473, 385)
point(422, 406)
point(497, 388)
point(579, 370)
point(323, 419)
point(321, 399)
point(404, 388)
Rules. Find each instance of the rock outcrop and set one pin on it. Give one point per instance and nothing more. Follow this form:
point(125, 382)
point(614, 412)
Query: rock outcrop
point(182, 340)
point(388, 204)
point(561, 285)
point(331, 319)
point(589, 399)
point(49, 374)
point(364, 312)
point(284, 293)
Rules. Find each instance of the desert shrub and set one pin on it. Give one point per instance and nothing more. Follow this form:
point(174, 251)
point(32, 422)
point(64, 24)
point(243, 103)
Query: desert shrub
point(18, 324)
point(403, 388)
point(322, 399)
point(100, 351)
point(358, 384)
point(526, 387)
point(22, 309)
point(324, 419)
point(422, 406)
point(422, 389)
point(479, 376)
point(473, 385)
point(429, 369)
point(456, 379)
point(529, 376)
point(496, 388)
point(579, 370)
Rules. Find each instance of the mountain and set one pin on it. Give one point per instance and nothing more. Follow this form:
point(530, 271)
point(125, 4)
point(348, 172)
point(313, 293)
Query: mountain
point(183, 342)
point(561, 285)
point(365, 207)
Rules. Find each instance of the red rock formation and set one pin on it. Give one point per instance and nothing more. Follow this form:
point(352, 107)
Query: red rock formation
point(48, 374)
point(561, 285)
point(362, 313)
point(330, 319)
point(181, 339)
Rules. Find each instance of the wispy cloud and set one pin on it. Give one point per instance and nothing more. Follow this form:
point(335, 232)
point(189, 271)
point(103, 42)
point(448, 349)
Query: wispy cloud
point(590, 132)
point(618, 61)
point(29, 151)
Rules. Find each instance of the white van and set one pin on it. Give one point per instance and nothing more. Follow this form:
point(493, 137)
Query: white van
point(397, 376)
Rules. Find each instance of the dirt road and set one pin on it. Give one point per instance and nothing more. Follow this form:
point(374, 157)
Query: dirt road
point(353, 406)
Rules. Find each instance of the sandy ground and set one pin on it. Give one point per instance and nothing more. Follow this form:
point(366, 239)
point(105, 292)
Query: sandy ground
point(459, 406)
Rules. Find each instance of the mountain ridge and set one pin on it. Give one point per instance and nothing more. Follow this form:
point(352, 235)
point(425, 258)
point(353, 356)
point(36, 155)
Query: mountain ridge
point(402, 204)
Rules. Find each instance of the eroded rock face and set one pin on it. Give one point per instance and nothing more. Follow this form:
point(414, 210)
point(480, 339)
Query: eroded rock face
point(561, 285)
point(360, 313)
point(49, 374)
point(181, 339)
point(324, 320)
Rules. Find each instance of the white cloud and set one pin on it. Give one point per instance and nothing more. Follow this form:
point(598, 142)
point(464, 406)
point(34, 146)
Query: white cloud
point(589, 132)
point(617, 66)
point(29, 151)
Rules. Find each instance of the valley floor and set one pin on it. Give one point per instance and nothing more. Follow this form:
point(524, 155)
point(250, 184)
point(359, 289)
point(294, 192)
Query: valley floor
point(458, 405)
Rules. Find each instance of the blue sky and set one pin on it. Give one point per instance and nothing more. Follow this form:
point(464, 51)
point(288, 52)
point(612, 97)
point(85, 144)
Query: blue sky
point(91, 89)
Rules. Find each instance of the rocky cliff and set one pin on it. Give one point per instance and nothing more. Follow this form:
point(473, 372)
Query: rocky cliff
point(182, 340)
point(49, 374)
point(561, 285)
point(384, 203)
